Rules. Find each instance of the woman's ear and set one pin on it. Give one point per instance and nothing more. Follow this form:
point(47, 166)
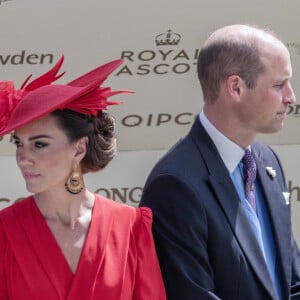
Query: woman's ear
point(81, 148)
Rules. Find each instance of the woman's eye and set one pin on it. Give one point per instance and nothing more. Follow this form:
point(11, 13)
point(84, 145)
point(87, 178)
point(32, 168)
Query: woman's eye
point(40, 145)
point(17, 143)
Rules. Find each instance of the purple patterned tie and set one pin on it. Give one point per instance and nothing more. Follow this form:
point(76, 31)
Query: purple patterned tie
point(249, 177)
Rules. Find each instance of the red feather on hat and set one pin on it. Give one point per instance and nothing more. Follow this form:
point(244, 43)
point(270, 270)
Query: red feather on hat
point(44, 79)
point(40, 97)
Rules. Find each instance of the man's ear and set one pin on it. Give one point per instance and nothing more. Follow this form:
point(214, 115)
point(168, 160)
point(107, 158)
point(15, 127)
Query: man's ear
point(234, 85)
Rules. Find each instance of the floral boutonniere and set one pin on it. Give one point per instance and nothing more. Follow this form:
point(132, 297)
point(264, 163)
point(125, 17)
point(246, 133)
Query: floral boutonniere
point(271, 172)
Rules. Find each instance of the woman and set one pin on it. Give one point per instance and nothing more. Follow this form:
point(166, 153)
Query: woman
point(63, 241)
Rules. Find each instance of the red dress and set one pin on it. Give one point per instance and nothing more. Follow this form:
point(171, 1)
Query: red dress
point(118, 260)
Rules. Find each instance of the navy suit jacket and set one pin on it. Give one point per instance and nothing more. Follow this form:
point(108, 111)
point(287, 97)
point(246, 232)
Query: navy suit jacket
point(205, 245)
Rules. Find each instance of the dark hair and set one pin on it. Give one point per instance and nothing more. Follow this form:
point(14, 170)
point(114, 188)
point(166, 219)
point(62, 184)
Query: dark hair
point(225, 57)
point(100, 131)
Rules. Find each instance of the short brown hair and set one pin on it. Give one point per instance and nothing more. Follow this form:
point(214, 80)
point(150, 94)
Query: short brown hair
point(223, 56)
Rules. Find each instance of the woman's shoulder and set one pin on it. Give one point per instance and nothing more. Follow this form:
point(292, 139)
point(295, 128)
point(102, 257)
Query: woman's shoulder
point(121, 210)
point(9, 217)
point(17, 206)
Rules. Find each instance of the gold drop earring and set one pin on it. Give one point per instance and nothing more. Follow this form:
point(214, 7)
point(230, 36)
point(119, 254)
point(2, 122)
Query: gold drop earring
point(74, 184)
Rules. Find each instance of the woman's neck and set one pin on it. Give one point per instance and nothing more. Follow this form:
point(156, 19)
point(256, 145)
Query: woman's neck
point(64, 208)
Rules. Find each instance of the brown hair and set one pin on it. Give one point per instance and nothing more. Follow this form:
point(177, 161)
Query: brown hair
point(228, 52)
point(100, 131)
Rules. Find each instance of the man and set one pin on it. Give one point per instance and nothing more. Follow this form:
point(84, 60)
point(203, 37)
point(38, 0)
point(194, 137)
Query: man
point(211, 242)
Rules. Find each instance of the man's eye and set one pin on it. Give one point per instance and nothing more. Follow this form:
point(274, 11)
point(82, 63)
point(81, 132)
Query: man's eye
point(280, 86)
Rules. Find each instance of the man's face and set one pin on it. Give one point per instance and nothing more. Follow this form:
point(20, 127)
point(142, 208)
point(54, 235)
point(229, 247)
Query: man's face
point(265, 107)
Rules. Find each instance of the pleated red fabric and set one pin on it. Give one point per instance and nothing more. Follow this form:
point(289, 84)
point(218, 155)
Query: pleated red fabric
point(118, 260)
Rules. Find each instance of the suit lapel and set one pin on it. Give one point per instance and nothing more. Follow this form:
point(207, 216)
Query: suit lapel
point(231, 205)
point(238, 220)
point(278, 209)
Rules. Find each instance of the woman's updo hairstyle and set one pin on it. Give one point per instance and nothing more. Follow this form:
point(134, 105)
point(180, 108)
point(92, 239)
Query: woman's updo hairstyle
point(100, 131)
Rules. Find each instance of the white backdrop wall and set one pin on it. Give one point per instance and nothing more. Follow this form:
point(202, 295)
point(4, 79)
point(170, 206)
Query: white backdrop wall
point(124, 178)
point(159, 42)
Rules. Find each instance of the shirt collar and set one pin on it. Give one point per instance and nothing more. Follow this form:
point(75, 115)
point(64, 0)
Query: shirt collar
point(230, 152)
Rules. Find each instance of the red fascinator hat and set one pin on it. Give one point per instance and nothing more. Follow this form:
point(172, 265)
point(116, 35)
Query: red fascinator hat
point(40, 97)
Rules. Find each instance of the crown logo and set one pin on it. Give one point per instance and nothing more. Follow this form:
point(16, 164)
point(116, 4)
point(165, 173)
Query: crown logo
point(168, 38)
